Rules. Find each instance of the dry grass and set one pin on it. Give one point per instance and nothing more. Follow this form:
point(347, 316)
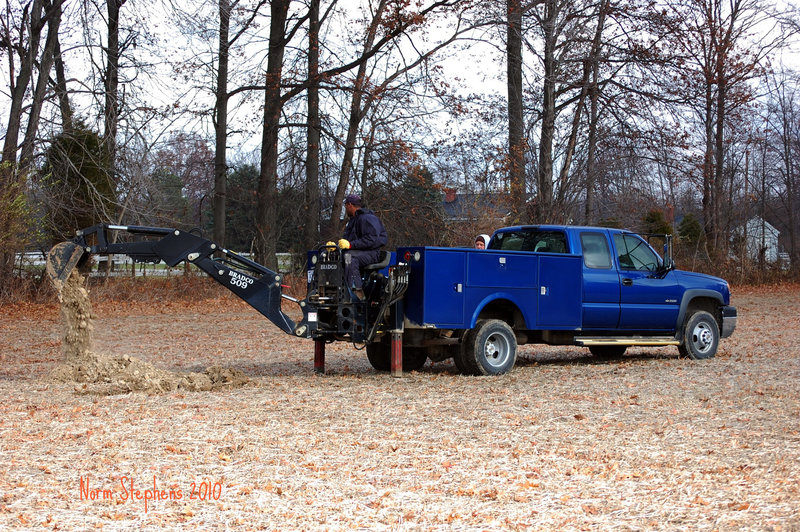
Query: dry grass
point(565, 441)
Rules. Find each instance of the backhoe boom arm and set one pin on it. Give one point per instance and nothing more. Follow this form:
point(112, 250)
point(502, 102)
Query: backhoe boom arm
point(257, 285)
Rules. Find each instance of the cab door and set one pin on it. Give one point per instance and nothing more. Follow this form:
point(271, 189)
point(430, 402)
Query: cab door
point(600, 281)
point(649, 298)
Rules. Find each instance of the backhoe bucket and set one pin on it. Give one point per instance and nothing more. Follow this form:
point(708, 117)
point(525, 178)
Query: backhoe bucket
point(62, 259)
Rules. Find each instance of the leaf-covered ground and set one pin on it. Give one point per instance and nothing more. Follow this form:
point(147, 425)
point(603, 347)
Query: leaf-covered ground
point(645, 442)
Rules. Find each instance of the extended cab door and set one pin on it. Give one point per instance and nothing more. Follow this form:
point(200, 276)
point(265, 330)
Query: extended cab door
point(649, 298)
point(600, 281)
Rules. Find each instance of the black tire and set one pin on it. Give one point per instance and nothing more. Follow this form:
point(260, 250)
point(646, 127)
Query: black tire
point(489, 349)
point(458, 356)
point(608, 351)
point(379, 355)
point(414, 358)
point(700, 336)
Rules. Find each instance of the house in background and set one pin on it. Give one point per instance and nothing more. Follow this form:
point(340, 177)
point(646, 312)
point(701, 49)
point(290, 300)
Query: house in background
point(471, 207)
point(761, 239)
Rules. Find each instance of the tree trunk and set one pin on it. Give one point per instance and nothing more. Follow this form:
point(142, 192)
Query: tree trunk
point(61, 89)
point(111, 115)
point(266, 209)
point(221, 125)
point(19, 89)
point(11, 186)
point(591, 155)
point(53, 16)
point(719, 246)
point(790, 145)
point(708, 168)
point(311, 236)
point(516, 140)
point(544, 205)
point(589, 88)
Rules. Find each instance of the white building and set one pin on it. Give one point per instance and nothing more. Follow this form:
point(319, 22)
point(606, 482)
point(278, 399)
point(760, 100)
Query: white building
point(761, 235)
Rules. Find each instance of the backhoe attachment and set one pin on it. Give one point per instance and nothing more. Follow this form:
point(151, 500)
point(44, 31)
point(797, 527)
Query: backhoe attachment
point(257, 285)
point(62, 259)
point(330, 311)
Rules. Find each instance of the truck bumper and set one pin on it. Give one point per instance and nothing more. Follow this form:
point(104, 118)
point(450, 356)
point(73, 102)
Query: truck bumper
point(728, 321)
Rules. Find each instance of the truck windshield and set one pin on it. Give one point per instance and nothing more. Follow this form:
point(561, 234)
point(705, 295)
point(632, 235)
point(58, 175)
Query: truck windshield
point(635, 254)
point(530, 240)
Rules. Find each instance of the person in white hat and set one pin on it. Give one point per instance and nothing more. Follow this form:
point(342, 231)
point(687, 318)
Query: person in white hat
point(482, 241)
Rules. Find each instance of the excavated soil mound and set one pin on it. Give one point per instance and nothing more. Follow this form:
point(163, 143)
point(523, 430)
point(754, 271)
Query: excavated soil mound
point(103, 374)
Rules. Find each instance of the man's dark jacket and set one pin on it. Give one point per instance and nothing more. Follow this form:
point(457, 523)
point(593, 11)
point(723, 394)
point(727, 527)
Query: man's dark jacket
point(365, 231)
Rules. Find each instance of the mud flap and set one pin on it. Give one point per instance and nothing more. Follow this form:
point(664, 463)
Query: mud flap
point(61, 260)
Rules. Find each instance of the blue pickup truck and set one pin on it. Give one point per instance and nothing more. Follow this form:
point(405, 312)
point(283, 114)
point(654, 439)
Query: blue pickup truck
point(605, 289)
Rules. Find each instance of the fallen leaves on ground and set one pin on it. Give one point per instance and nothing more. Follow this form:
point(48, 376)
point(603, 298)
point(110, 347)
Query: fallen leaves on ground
point(565, 441)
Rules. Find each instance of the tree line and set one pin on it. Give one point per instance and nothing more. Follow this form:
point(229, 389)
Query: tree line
point(251, 120)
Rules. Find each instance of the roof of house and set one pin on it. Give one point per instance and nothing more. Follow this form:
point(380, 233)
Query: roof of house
point(470, 206)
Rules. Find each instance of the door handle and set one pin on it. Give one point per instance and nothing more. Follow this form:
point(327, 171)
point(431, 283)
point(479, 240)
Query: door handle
point(627, 282)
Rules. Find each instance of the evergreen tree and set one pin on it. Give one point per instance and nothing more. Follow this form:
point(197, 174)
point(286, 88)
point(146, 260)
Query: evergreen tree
point(78, 186)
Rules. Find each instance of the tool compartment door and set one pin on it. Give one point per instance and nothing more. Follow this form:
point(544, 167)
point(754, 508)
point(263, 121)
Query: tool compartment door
point(560, 292)
point(436, 286)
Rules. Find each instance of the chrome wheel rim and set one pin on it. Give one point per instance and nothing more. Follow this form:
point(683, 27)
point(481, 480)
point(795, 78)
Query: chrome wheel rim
point(702, 338)
point(497, 350)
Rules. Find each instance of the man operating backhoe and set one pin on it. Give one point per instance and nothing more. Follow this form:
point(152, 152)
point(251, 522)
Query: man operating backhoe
point(363, 236)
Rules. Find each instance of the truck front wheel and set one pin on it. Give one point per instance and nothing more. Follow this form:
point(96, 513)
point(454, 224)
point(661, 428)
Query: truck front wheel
point(700, 336)
point(489, 349)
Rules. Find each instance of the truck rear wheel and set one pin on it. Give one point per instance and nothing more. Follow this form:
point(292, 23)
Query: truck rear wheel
point(700, 336)
point(489, 349)
point(379, 355)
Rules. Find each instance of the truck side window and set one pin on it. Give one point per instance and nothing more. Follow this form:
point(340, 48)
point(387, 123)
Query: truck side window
point(595, 251)
point(546, 242)
point(634, 254)
point(530, 240)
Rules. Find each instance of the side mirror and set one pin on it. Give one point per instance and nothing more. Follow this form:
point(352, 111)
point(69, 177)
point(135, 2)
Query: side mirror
point(669, 262)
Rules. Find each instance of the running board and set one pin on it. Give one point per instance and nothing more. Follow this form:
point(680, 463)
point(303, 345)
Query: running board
point(626, 340)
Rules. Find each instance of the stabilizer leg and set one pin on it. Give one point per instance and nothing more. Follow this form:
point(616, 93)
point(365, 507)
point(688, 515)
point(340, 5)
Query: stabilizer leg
point(397, 354)
point(319, 356)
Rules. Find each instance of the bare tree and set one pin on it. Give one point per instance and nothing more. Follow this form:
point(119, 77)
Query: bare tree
point(53, 16)
point(719, 58)
point(312, 196)
point(784, 124)
point(21, 38)
point(354, 120)
point(516, 121)
point(377, 81)
point(111, 80)
point(221, 123)
point(266, 214)
point(222, 97)
point(398, 23)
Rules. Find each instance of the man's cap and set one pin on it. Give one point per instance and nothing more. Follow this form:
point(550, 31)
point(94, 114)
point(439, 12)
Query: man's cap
point(353, 199)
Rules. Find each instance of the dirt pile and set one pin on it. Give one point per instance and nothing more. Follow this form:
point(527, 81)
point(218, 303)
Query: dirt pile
point(103, 374)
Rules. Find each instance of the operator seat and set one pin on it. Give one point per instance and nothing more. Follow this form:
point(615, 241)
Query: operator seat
point(384, 257)
point(371, 273)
